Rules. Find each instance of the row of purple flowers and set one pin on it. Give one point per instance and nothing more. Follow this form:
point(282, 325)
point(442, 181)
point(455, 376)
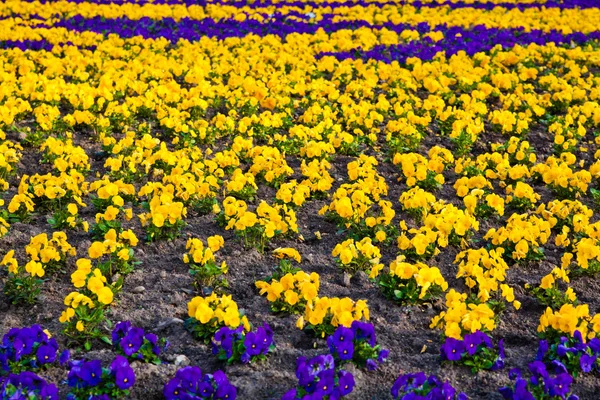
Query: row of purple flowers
point(30, 350)
point(471, 41)
point(456, 39)
point(193, 30)
point(563, 4)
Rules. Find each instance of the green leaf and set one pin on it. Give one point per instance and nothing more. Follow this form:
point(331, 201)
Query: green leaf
point(106, 340)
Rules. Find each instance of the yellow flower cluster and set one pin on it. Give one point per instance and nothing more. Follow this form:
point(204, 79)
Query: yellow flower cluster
point(494, 204)
point(291, 292)
point(203, 266)
point(48, 192)
point(257, 228)
point(565, 182)
point(444, 224)
point(4, 225)
point(64, 156)
point(422, 171)
point(463, 317)
point(216, 310)
point(357, 256)
point(113, 213)
point(358, 206)
point(549, 292)
point(324, 314)
point(269, 164)
point(84, 312)
point(165, 216)
point(293, 193)
point(424, 276)
point(23, 284)
point(10, 154)
point(199, 254)
point(572, 214)
point(417, 201)
point(33, 268)
point(241, 185)
point(111, 193)
point(117, 251)
point(287, 252)
point(51, 252)
point(485, 271)
point(569, 319)
point(208, 314)
point(521, 196)
point(521, 237)
point(318, 179)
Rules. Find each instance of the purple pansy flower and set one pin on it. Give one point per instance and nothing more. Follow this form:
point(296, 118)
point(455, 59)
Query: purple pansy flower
point(452, 349)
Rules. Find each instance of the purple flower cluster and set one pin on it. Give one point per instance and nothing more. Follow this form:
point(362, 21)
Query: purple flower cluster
point(190, 383)
point(194, 30)
point(318, 380)
point(576, 355)
point(27, 385)
point(476, 350)
point(456, 39)
point(233, 345)
point(357, 344)
point(87, 379)
point(136, 344)
point(28, 349)
point(26, 45)
point(541, 385)
point(419, 386)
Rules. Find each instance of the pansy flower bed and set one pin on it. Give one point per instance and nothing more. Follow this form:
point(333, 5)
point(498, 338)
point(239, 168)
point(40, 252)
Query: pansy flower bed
point(299, 199)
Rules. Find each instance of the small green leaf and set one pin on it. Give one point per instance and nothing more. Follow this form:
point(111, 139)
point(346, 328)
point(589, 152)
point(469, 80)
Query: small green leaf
point(106, 340)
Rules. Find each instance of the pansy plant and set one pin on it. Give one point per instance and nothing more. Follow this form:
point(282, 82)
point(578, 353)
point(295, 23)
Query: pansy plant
point(135, 344)
point(88, 379)
point(572, 353)
point(476, 351)
point(357, 345)
point(420, 386)
point(541, 385)
point(191, 383)
point(27, 385)
point(29, 349)
point(318, 379)
point(233, 345)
